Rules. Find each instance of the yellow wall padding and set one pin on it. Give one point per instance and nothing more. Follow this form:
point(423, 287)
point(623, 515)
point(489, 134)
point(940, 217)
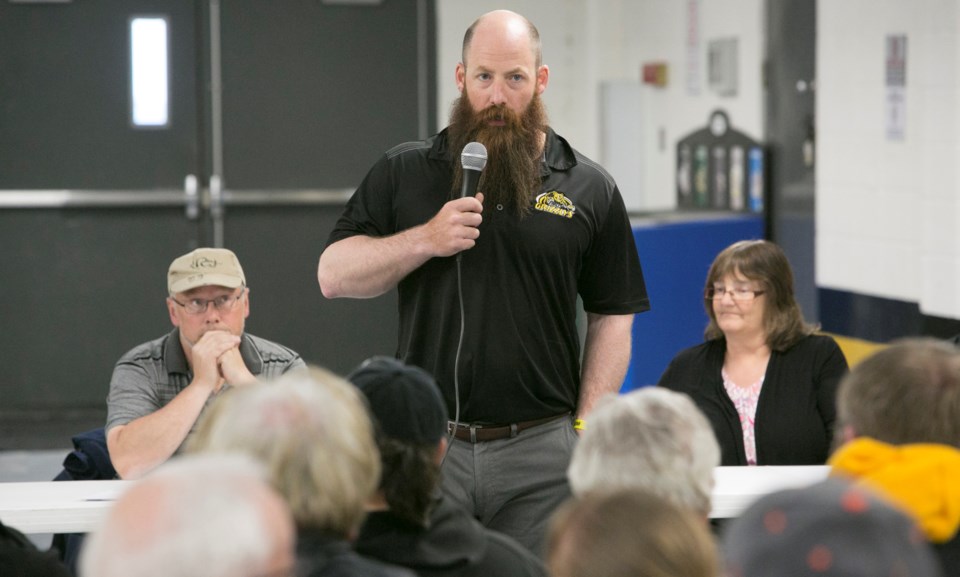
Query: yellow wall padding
point(855, 350)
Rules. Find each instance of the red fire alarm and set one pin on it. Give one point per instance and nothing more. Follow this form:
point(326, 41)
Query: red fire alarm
point(655, 73)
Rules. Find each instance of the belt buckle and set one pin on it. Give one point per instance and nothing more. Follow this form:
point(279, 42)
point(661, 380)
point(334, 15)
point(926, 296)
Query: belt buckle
point(454, 428)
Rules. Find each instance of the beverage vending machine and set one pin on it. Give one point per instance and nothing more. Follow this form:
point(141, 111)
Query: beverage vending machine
point(721, 168)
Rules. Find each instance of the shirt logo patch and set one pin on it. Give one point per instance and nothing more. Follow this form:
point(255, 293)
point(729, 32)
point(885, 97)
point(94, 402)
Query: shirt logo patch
point(555, 202)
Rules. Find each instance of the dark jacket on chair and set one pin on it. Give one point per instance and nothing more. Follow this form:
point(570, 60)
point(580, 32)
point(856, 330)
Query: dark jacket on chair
point(89, 461)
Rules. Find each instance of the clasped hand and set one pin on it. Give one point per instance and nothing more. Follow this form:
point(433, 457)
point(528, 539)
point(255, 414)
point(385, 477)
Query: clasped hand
point(216, 360)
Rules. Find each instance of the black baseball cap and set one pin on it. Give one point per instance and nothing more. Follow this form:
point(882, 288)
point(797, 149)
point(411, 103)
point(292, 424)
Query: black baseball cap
point(405, 400)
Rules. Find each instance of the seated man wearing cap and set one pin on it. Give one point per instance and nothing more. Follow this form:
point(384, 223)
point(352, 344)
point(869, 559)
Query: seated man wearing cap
point(160, 388)
point(411, 523)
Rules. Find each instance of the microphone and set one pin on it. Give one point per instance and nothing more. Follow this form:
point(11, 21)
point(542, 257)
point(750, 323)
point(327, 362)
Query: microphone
point(473, 159)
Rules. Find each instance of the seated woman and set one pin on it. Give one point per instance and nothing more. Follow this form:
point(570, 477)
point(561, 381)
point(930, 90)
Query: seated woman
point(765, 381)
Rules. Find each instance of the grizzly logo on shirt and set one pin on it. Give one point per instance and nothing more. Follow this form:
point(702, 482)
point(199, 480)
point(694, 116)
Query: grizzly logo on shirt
point(555, 202)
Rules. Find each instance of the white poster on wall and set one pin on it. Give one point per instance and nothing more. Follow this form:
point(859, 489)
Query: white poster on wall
point(896, 87)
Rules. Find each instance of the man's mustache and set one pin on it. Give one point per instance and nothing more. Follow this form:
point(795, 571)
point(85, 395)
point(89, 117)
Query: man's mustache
point(500, 112)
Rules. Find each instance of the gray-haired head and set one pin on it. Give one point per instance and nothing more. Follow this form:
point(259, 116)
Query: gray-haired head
point(313, 433)
point(653, 439)
point(195, 516)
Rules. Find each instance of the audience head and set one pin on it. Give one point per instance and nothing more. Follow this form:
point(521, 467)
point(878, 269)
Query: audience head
point(205, 267)
point(653, 439)
point(312, 432)
point(628, 533)
point(410, 418)
point(906, 393)
point(500, 79)
point(828, 529)
point(207, 290)
point(516, 21)
point(763, 264)
point(202, 516)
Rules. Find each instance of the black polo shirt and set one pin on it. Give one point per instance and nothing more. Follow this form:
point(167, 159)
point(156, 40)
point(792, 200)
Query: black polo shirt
point(521, 349)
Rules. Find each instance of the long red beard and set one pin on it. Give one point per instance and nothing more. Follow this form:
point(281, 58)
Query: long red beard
point(512, 175)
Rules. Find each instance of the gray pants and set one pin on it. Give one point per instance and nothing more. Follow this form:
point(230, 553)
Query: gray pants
point(513, 485)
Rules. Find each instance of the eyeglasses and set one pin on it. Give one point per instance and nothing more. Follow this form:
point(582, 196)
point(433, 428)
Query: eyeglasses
point(223, 303)
point(738, 294)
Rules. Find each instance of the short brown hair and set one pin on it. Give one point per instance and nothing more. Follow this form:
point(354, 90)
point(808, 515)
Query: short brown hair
point(764, 262)
point(906, 393)
point(628, 532)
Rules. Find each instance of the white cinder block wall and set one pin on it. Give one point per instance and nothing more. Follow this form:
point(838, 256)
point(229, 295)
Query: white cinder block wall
point(888, 215)
point(588, 42)
point(887, 210)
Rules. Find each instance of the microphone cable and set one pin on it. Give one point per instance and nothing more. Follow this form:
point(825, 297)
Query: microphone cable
point(473, 159)
point(456, 364)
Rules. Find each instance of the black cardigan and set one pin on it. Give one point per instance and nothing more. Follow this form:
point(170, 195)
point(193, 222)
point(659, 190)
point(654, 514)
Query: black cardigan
point(797, 406)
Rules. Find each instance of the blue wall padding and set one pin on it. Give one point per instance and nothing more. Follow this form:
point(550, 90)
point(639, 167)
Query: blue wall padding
point(676, 257)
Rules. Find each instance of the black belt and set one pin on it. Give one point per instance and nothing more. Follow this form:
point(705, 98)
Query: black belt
point(483, 433)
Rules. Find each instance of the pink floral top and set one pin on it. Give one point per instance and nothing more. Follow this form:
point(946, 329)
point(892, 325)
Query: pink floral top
point(745, 400)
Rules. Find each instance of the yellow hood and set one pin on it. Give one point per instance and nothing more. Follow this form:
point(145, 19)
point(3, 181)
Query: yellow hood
point(923, 479)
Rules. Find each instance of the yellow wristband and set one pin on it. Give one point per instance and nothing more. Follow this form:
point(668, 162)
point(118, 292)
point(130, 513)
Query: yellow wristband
point(580, 424)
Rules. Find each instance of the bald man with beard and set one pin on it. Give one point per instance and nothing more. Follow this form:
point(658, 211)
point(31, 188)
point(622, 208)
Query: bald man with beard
point(548, 225)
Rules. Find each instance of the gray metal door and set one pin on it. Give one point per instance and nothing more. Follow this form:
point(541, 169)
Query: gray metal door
point(91, 208)
point(276, 112)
